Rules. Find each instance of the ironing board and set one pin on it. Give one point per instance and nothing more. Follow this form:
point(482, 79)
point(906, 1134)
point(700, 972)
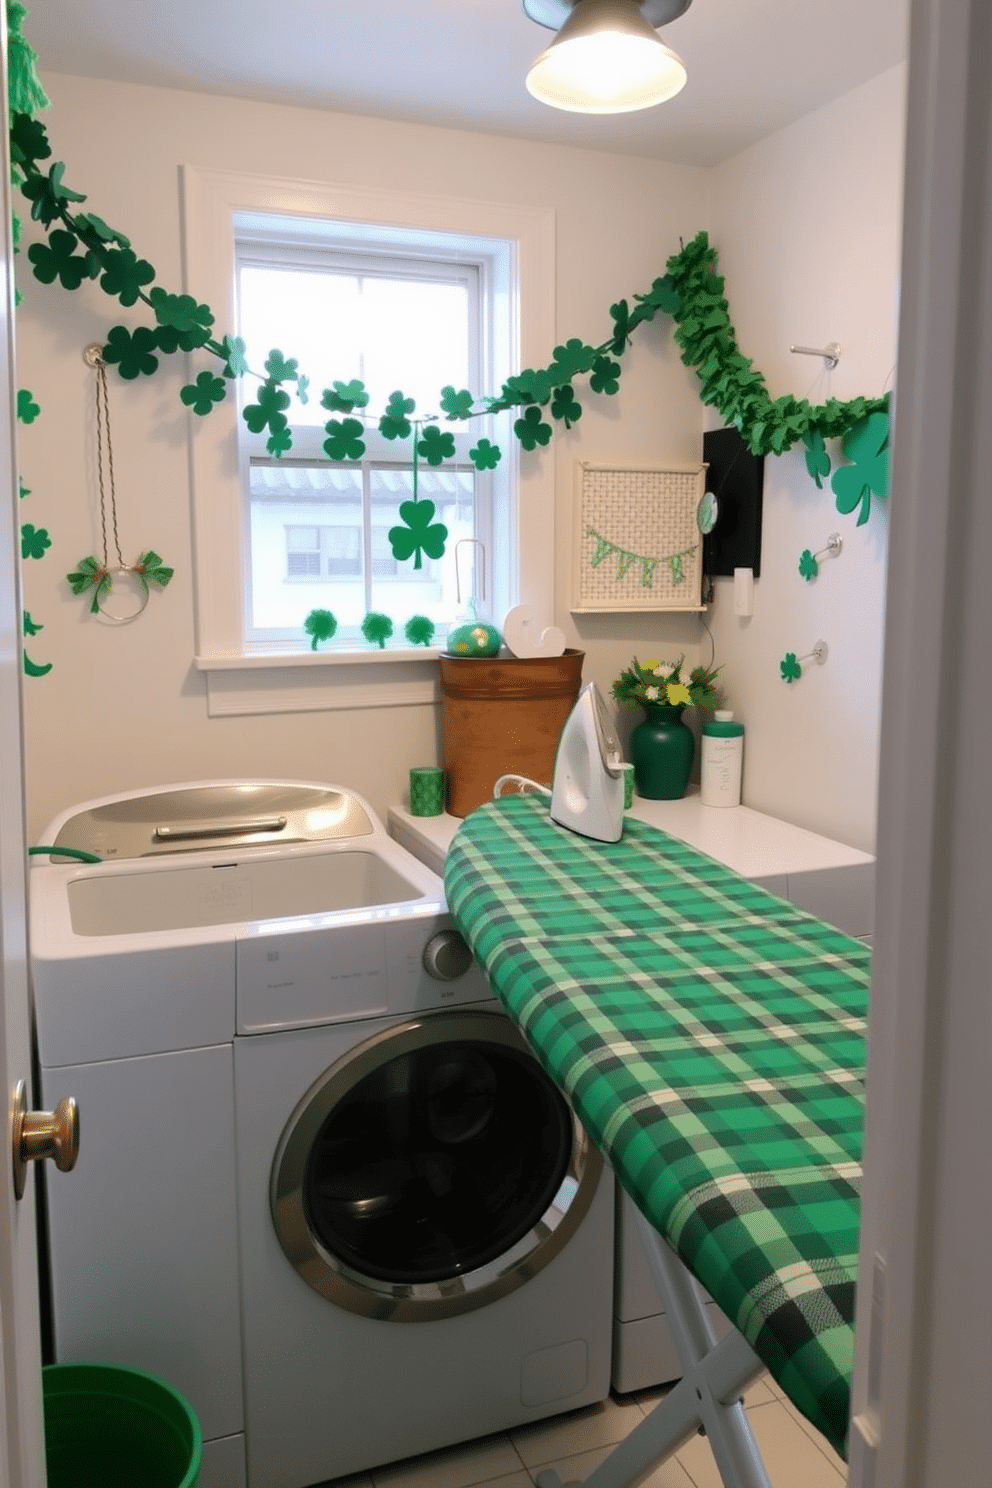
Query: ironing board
point(711, 1038)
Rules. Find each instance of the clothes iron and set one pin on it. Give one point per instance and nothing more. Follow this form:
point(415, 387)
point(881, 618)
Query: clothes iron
point(587, 788)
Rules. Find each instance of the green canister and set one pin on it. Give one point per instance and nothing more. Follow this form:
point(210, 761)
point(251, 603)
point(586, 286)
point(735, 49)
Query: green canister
point(721, 759)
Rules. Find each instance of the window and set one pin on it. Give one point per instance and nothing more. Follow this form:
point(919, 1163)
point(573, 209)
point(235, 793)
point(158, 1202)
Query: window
point(399, 313)
point(275, 538)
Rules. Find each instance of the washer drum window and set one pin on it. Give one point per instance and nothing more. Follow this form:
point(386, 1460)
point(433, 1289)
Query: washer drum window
point(431, 1170)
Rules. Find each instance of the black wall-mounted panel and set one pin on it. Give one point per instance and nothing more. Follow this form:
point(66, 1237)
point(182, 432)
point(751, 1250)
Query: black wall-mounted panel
point(736, 479)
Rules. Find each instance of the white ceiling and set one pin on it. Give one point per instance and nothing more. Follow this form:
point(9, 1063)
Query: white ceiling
point(753, 65)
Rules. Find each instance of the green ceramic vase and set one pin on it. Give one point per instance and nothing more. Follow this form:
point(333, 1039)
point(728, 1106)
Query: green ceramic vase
point(662, 749)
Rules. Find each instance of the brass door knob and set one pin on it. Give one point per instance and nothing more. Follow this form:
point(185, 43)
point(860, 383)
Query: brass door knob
point(41, 1134)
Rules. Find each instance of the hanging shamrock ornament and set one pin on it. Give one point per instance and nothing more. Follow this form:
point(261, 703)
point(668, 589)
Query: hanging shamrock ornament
point(867, 446)
point(129, 598)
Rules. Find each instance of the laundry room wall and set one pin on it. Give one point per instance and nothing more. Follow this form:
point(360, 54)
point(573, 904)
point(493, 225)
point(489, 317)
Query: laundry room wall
point(808, 224)
point(124, 707)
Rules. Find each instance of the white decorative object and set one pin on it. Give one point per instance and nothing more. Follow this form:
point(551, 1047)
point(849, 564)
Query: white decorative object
point(521, 636)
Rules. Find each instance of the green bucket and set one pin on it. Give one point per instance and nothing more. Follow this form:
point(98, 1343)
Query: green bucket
point(107, 1425)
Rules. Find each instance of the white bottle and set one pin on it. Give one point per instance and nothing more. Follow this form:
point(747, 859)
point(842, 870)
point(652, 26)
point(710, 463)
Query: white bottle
point(721, 761)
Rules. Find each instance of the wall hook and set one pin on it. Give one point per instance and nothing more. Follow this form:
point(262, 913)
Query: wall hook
point(830, 353)
point(791, 665)
point(809, 566)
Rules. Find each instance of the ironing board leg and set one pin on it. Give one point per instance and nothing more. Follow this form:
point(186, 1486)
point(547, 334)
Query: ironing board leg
point(715, 1376)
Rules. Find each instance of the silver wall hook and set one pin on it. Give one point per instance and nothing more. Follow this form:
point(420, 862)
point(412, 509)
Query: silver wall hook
point(830, 353)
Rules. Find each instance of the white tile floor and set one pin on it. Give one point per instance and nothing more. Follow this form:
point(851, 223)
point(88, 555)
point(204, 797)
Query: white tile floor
point(795, 1455)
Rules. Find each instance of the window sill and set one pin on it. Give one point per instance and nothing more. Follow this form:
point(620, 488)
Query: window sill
point(319, 681)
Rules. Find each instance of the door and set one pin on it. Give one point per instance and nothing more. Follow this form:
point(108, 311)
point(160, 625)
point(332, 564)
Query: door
point(22, 1462)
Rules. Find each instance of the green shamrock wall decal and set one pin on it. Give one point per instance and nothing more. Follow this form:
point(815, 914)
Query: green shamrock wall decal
point(867, 445)
point(419, 535)
point(808, 566)
point(320, 625)
point(436, 445)
point(344, 439)
point(419, 630)
point(456, 405)
point(132, 352)
point(531, 430)
point(29, 627)
point(377, 628)
point(35, 669)
point(394, 423)
point(789, 667)
point(484, 455)
point(27, 411)
point(345, 396)
point(34, 541)
point(202, 394)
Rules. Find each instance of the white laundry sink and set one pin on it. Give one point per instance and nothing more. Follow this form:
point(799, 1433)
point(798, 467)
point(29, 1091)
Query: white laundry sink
point(227, 893)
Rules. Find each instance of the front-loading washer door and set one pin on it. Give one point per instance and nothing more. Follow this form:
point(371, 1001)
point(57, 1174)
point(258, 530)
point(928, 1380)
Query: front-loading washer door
point(432, 1169)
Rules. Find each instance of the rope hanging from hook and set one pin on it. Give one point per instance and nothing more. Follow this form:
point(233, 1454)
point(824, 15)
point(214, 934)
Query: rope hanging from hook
point(132, 579)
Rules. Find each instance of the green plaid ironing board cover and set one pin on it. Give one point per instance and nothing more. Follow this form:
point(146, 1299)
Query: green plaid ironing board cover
point(711, 1039)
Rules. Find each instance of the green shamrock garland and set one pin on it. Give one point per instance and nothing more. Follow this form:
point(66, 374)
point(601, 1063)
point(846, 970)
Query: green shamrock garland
point(81, 246)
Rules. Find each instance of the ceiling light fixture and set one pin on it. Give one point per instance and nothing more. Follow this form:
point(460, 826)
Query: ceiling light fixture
point(607, 57)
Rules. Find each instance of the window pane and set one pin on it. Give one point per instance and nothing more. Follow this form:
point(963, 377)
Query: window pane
point(291, 576)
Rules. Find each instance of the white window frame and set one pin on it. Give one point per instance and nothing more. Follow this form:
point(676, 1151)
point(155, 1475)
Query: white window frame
point(241, 681)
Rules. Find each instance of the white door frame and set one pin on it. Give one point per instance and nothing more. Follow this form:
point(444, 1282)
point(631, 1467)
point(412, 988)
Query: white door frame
point(22, 1462)
point(923, 1373)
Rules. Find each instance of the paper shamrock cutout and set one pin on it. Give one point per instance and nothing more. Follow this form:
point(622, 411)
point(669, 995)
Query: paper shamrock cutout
point(125, 275)
point(565, 405)
point(267, 410)
point(456, 405)
point(419, 535)
point(344, 439)
point(345, 396)
point(867, 445)
point(789, 667)
point(571, 359)
point(131, 351)
point(280, 442)
point(531, 430)
point(236, 363)
point(394, 423)
point(48, 195)
point(605, 376)
point(419, 630)
point(817, 459)
point(436, 445)
point(320, 625)
point(57, 259)
point(280, 369)
point(377, 628)
point(485, 456)
point(28, 626)
point(181, 314)
point(202, 394)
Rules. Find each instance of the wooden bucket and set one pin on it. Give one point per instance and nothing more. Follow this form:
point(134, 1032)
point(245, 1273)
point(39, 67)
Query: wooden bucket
point(502, 715)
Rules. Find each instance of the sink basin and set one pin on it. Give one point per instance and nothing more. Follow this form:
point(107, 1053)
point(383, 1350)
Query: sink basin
point(227, 893)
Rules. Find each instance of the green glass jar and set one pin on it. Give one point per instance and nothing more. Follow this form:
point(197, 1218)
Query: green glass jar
point(662, 749)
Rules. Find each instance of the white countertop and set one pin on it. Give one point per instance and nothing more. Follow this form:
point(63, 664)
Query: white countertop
point(830, 879)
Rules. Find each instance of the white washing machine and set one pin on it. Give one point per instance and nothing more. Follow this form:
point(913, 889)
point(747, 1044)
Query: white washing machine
point(322, 1187)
